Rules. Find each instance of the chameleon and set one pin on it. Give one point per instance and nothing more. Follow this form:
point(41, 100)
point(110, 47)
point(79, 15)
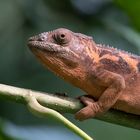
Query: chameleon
point(110, 77)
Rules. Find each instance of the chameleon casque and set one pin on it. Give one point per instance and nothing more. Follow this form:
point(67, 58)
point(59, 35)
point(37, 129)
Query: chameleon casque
point(109, 75)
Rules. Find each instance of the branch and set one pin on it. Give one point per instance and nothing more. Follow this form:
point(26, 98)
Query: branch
point(66, 105)
point(31, 99)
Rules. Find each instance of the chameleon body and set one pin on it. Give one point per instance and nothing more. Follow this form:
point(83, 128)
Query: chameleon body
point(109, 75)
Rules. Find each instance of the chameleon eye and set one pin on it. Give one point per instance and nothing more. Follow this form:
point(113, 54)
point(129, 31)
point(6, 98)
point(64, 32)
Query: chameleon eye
point(61, 38)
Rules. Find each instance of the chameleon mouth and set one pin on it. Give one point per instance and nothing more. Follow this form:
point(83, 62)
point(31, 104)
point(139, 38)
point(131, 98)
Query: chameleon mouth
point(43, 46)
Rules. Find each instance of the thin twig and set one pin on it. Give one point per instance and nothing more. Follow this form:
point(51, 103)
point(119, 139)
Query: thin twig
point(40, 110)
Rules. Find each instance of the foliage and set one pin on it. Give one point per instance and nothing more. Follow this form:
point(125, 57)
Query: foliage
point(132, 9)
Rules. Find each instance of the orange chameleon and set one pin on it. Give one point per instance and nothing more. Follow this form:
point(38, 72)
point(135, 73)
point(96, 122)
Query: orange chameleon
point(110, 76)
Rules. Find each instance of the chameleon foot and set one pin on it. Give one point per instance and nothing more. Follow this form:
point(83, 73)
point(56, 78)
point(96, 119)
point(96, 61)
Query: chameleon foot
point(88, 111)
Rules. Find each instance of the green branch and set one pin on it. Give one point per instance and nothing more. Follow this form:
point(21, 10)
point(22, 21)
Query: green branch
point(39, 103)
point(43, 103)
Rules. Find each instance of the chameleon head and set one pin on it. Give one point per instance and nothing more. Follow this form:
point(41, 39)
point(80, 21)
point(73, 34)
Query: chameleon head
point(61, 50)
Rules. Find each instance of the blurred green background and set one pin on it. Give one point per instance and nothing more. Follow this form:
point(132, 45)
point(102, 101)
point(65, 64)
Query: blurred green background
point(116, 23)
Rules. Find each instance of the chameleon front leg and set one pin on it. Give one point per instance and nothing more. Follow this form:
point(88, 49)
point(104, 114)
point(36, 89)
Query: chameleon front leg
point(114, 84)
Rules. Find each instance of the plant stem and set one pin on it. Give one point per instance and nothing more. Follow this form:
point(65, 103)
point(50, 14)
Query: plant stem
point(66, 105)
point(40, 110)
point(30, 98)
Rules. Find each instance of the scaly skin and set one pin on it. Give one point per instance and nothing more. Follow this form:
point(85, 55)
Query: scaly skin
point(110, 76)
